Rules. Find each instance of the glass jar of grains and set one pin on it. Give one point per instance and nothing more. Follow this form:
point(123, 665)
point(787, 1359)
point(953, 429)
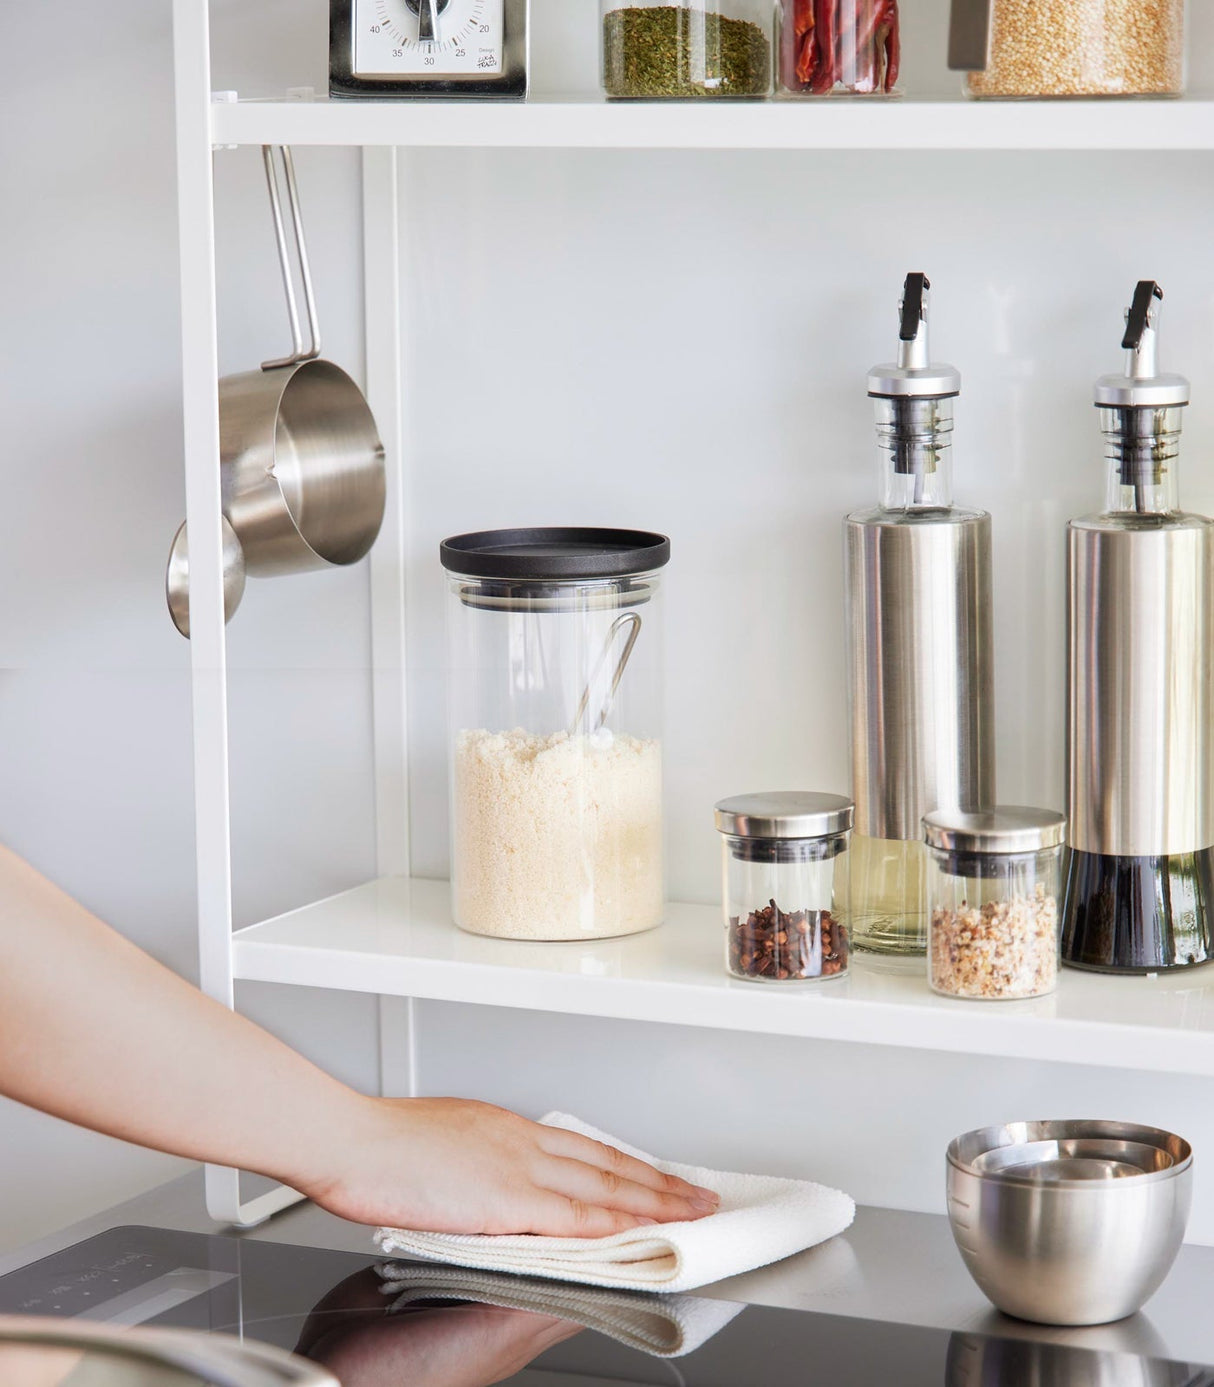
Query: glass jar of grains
point(838, 47)
point(783, 852)
point(686, 49)
point(1053, 48)
point(993, 887)
point(555, 703)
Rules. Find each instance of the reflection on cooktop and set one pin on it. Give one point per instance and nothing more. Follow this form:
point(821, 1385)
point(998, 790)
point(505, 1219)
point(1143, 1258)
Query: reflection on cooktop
point(334, 1307)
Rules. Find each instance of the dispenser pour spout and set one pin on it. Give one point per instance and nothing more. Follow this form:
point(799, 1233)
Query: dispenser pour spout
point(912, 336)
point(1140, 413)
point(914, 411)
point(1141, 338)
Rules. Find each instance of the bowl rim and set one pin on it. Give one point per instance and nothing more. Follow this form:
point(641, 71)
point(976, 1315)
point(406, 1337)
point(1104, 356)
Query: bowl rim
point(970, 1146)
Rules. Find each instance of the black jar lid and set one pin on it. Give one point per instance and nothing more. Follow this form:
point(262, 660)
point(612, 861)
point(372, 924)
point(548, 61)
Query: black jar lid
point(553, 553)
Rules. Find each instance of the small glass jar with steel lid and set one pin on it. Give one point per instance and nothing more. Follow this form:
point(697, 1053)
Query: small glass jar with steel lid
point(782, 854)
point(993, 888)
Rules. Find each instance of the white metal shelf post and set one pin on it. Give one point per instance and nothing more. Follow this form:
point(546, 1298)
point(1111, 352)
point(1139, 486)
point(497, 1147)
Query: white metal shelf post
point(208, 650)
point(385, 380)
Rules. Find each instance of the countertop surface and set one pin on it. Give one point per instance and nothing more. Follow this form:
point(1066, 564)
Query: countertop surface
point(890, 1265)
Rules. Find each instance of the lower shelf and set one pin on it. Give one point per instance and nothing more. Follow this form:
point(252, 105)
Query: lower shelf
point(395, 937)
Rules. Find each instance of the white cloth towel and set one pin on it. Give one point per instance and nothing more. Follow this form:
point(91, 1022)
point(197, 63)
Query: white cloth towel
point(761, 1219)
point(667, 1326)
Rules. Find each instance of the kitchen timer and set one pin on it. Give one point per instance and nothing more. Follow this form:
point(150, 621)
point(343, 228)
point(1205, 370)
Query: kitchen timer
point(439, 48)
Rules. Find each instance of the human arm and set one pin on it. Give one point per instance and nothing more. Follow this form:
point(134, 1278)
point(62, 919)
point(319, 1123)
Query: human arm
point(94, 1030)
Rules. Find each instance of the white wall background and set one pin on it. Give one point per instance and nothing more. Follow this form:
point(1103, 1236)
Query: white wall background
point(95, 758)
point(677, 341)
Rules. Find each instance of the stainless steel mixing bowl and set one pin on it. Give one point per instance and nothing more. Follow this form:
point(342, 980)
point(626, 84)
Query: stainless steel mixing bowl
point(1074, 1222)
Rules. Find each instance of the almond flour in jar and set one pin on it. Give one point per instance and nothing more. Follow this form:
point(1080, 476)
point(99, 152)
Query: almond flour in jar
point(559, 836)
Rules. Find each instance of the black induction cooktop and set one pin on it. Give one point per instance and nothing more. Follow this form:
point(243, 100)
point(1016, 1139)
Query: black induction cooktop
point(331, 1306)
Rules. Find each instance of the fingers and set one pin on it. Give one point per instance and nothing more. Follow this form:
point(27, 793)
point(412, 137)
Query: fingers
point(559, 1216)
point(572, 1145)
point(607, 1190)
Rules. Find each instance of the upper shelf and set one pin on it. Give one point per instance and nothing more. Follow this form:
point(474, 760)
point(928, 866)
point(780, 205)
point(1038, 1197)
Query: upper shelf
point(395, 936)
point(597, 124)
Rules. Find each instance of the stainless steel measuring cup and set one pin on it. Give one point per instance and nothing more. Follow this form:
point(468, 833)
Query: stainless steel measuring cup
point(177, 579)
point(301, 462)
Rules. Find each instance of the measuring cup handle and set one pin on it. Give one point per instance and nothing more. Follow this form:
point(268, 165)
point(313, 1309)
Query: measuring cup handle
point(298, 351)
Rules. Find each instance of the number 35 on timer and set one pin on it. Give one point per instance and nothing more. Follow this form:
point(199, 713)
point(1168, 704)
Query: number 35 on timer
point(438, 48)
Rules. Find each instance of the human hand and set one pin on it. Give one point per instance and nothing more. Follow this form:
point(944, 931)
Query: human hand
point(462, 1345)
point(446, 1165)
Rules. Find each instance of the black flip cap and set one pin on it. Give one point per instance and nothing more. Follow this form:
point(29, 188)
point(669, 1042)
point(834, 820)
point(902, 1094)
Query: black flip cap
point(1140, 311)
point(912, 306)
point(554, 553)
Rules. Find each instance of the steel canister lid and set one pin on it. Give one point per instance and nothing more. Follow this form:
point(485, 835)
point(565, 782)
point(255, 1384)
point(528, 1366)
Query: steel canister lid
point(784, 814)
point(1008, 829)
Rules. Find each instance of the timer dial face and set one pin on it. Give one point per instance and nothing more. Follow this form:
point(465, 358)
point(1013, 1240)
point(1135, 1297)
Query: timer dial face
point(468, 39)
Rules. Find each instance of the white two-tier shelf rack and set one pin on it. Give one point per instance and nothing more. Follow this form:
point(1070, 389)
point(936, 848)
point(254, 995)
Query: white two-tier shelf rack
point(393, 937)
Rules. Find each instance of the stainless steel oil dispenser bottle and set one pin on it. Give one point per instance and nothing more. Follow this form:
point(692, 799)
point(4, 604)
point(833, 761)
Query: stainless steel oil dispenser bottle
point(1140, 706)
point(920, 660)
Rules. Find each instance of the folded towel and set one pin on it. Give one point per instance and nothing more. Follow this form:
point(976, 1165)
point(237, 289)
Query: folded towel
point(666, 1326)
point(760, 1220)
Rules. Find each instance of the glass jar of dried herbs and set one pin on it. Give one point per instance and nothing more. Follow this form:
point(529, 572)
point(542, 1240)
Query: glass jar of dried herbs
point(691, 50)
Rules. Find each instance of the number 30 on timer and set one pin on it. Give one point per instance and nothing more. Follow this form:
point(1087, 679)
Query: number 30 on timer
point(436, 48)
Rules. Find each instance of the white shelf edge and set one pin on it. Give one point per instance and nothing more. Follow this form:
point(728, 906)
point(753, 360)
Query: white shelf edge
point(1185, 124)
point(831, 1011)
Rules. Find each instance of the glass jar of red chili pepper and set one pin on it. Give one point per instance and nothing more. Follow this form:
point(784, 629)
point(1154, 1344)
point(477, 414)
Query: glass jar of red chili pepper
point(838, 47)
point(782, 884)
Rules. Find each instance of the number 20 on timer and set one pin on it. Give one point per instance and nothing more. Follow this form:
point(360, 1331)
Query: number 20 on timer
point(434, 48)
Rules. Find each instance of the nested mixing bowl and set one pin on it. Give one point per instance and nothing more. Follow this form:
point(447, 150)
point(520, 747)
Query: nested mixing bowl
point(1072, 1222)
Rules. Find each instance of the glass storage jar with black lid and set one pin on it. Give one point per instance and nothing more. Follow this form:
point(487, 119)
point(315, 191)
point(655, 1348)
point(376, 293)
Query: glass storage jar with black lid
point(554, 703)
point(686, 49)
point(994, 883)
point(838, 47)
point(1063, 48)
point(784, 854)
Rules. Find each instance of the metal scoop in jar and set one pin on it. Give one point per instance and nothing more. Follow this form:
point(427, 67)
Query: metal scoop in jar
point(633, 622)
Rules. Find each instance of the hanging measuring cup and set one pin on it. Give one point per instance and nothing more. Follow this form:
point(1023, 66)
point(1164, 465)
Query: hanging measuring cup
point(302, 465)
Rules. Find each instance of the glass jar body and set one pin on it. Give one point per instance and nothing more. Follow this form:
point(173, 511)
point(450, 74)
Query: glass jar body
point(838, 47)
point(1059, 48)
point(784, 908)
point(994, 923)
point(686, 49)
point(556, 781)
point(886, 895)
